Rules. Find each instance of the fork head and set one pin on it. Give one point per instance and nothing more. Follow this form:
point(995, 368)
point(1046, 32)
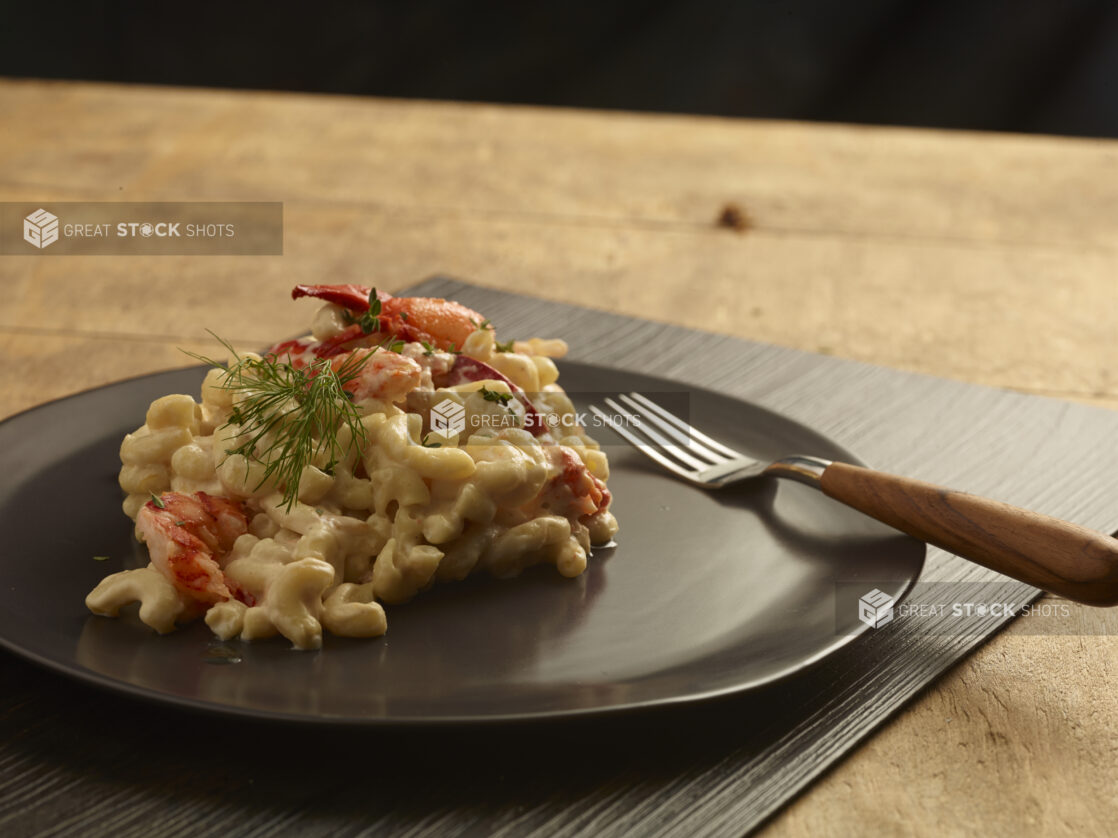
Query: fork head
point(674, 444)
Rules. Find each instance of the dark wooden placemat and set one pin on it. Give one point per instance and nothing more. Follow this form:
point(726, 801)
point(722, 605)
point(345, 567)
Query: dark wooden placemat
point(74, 760)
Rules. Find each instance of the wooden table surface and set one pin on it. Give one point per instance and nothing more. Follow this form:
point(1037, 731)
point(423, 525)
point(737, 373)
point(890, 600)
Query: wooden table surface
point(987, 258)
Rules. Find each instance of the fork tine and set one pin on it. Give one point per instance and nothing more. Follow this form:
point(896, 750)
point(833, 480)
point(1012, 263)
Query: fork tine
point(642, 446)
point(663, 444)
point(683, 426)
point(659, 424)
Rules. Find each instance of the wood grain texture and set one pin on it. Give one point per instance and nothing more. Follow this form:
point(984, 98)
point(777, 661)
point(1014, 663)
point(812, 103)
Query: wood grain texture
point(987, 259)
point(1057, 556)
point(934, 252)
point(589, 168)
point(944, 309)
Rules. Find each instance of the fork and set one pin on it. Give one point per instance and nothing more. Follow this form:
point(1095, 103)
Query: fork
point(1057, 556)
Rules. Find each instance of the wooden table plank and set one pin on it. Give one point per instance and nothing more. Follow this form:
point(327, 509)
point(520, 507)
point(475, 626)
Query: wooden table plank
point(589, 167)
point(1019, 738)
point(1042, 321)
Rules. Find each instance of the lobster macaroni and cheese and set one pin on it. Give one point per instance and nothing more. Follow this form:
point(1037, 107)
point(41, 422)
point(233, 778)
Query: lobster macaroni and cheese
point(398, 445)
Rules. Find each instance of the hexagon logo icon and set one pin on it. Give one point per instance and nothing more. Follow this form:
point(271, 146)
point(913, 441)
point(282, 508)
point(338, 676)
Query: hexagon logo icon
point(448, 418)
point(875, 609)
point(40, 228)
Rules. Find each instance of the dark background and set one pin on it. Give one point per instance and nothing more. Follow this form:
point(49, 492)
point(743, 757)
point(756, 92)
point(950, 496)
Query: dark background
point(1010, 65)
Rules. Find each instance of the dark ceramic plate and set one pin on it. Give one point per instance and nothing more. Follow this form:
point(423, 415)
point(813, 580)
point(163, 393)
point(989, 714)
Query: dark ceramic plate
point(705, 594)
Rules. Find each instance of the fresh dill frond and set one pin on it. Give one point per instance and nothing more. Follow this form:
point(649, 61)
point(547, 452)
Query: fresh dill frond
point(291, 416)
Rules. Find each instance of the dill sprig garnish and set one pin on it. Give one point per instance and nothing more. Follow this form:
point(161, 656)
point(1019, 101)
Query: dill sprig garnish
point(291, 416)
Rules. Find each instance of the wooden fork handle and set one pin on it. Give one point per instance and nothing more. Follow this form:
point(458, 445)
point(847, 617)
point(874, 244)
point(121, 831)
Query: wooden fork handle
point(1045, 552)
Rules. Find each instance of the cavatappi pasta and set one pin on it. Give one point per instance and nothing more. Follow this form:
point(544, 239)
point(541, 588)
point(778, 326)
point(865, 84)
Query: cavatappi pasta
point(448, 460)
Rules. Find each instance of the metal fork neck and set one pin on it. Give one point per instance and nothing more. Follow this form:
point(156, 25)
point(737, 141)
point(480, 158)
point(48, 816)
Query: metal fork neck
point(807, 470)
